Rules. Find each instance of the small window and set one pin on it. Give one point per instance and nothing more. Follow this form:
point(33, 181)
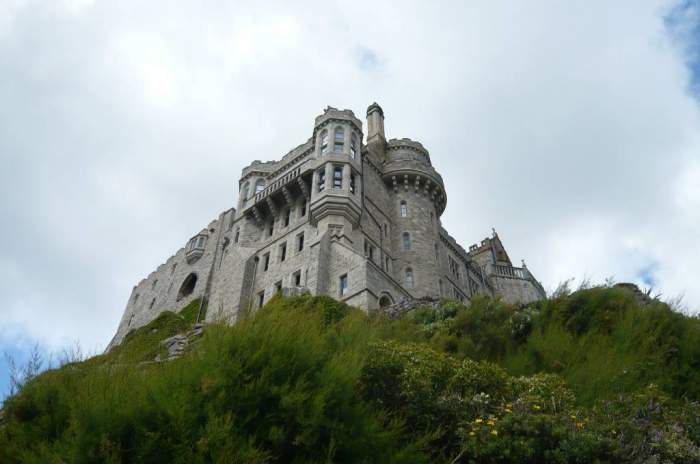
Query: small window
point(237, 235)
point(321, 180)
point(303, 208)
point(440, 286)
point(324, 141)
point(386, 230)
point(271, 228)
point(300, 242)
point(278, 286)
point(343, 284)
point(283, 252)
point(337, 177)
point(352, 183)
point(437, 253)
point(261, 299)
point(406, 241)
point(287, 217)
point(409, 278)
point(404, 209)
point(296, 278)
point(259, 186)
point(353, 145)
point(386, 263)
point(153, 286)
point(266, 262)
point(432, 217)
point(244, 191)
point(339, 139)
point(371, 253)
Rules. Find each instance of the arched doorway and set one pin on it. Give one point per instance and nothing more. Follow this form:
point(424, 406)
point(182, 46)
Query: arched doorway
point(187, 286)
point(385, 300)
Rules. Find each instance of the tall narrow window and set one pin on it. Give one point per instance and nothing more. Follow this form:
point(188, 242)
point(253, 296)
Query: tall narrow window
point(237, 235)
point(440, 286)
point(321, 180)
point(278, 286)
point(271, 228)
point(303, 208)
point(283, 252)
point(437, 253)
point(266, 261)
point(406, 241)
point(409, 278)
point(352, 183)
point(386, 263)
point(296, 278)
point(244, 192)
point(287, 216)
point(386, 230)
point(337, 177)
point(343, 284)
point(339, 140)
point(300, 242)
point(259, 185)
point(324, 141)
point(353, 145)
point(404, 209)
point(261, 298)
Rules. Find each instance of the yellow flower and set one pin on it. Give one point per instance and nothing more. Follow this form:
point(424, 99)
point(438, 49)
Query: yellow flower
point(494, 432)
point(573, 417)
point(479, 420)
point(579, 424)
point(536, 406)
point(471, 434)
point(491, 422)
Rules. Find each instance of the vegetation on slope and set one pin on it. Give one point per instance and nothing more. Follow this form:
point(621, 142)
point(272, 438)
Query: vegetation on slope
point(595, 376)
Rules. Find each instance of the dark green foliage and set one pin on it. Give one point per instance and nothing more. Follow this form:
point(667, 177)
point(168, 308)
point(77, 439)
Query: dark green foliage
point(597, 376)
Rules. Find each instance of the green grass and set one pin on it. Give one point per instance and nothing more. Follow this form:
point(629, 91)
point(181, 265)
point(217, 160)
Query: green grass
point(596, 376)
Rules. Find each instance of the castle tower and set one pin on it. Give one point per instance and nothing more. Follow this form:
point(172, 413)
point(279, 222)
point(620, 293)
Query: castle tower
point(336, 187)
point(419, 199)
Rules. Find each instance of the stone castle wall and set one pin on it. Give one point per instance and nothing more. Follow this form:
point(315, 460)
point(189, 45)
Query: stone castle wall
point(345, 198)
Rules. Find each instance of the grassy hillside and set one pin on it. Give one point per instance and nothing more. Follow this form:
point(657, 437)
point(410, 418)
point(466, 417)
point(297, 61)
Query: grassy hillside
point(596, 376)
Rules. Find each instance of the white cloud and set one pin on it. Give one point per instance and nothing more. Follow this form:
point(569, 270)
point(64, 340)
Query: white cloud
point(124, 127)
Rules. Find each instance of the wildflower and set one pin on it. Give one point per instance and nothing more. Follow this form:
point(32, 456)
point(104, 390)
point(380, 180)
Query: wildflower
point(471, 434)
point(579, 424)
point(508, 410)
point(572, 417)
point(536, 407)
point(494, 432)
point(479, 420)
point(491, 422)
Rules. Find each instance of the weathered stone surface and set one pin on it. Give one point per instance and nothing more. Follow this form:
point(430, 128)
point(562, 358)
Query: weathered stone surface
point(327, 218)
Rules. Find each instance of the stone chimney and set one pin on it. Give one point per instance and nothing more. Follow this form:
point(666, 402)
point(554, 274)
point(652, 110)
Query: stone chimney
point(376, 142)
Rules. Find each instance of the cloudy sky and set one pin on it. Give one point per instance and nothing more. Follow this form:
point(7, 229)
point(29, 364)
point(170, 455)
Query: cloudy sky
point(572, 127)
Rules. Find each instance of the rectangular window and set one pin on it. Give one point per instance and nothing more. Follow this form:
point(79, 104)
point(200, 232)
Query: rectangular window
point(371, 253)
point(283, 252)
point(337, 177)
point(296, 278)
point(321, 180)
point(287, 216)
point(266, 262)
point(237, 236)
point(303, 208)
point(386, 263)
point(343, 284)
point(352, 183)
point(278, 286)
point(271, 228)
point(300, 242)
point(261, 298)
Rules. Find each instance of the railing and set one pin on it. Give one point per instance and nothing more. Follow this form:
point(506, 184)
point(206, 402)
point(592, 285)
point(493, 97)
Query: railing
point(510, 271)
point(279, 183)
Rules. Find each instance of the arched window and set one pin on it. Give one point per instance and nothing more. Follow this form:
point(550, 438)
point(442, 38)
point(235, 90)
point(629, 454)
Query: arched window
point(404, 209)
point(353, 145)
point(339, 139)
point(406, 241)
point(324, 141)
point(244, 192)
point(259, 185)
point(409, 277)
point(187, 286)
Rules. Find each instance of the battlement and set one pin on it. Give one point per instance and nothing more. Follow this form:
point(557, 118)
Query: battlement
point(334, 114)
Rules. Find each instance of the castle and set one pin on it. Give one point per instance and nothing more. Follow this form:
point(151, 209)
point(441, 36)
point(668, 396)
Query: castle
point(359, 222)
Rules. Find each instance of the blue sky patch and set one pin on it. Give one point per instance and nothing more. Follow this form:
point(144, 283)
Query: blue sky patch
point(683, 24)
